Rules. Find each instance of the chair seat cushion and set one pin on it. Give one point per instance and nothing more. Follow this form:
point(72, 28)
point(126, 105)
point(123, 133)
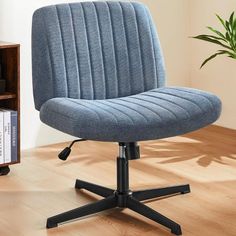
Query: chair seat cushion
point(158, 113)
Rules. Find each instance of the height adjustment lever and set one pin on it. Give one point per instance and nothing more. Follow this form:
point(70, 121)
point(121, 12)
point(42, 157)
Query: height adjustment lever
point(63, 155)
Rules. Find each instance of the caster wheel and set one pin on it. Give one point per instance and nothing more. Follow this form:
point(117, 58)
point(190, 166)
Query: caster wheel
point(4, 170)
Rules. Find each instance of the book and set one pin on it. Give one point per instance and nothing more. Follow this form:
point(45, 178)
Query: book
point(7, 135)
point(14, 140)
point(1, 139)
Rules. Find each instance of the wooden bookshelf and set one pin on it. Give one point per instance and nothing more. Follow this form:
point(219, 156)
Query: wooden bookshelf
point(10, 65)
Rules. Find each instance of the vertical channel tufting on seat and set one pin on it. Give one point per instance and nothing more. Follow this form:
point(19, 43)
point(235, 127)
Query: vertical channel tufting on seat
point(94, 50)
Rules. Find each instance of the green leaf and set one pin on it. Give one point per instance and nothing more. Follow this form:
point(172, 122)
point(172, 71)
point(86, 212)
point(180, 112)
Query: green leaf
point(227, 26)
point(234, 30)
point(216, 31)
point(231, 20)
point(227, 36)
point(202, 37)
point(226, 39)
point(211, 57)
point(230, 54)
point(212, 37)
point(234, 25)
point(221, 20)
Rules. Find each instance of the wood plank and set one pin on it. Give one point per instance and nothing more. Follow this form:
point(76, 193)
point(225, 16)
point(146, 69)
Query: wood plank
point(7, 95)
point(8, 45)
point(43, 186)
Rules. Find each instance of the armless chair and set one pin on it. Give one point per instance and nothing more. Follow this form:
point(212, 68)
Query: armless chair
point(98, 74)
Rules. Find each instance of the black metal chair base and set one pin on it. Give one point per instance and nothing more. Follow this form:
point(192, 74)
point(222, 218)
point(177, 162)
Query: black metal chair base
point(128, 199)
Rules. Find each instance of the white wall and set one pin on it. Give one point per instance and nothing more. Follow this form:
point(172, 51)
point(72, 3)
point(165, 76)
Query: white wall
point(219, 76)
point(171, 18)
point(15, 26)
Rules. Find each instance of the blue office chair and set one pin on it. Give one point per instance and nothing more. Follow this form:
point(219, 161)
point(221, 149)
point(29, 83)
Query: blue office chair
point(98, 74)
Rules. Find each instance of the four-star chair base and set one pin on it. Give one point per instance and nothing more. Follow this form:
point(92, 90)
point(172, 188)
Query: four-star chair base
point(123, 198)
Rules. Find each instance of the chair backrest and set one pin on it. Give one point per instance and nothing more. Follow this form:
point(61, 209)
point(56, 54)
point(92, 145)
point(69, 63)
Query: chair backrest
point(94, 50)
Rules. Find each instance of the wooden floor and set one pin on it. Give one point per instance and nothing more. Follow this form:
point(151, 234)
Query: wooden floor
point(42, 186)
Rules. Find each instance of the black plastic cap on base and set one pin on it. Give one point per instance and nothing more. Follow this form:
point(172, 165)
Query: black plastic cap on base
point(187, 190)
point(50, 225)
point(77, 184)
point(177, 230)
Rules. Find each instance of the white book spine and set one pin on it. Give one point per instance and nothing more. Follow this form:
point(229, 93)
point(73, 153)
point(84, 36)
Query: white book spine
point(7, 136)
point(1, 139)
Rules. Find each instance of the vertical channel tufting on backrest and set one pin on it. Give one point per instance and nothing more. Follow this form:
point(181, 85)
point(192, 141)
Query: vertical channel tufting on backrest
point(69, 50)
point(94, 50)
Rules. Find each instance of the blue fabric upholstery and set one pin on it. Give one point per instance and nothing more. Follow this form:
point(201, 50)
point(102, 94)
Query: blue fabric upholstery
point(94, 50)
point(98, 74)
point(157, 113)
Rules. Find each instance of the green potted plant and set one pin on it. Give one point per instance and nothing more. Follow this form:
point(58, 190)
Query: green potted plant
point(225, 39)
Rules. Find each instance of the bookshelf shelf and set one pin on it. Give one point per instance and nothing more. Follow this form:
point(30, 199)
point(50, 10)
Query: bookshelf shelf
point(7, 95)
point(10, 70)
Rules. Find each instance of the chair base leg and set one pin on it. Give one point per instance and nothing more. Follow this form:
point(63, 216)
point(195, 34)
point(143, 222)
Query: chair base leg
point(160, 192)
point(104, 204)
point(113, 199)
point(122, 197)
point(94, 188)
point(144, 210)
